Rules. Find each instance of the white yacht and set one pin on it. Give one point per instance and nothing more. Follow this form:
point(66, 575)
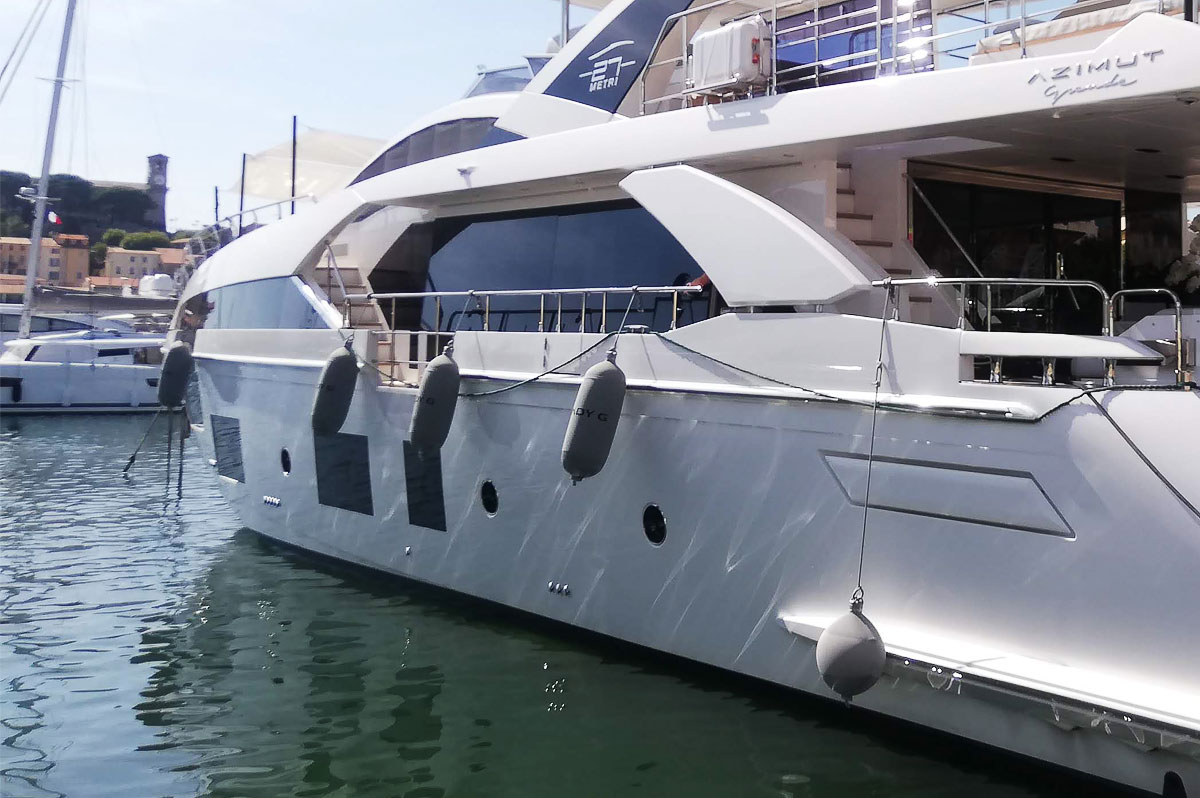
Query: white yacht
point(881, 288)
point(88, 371)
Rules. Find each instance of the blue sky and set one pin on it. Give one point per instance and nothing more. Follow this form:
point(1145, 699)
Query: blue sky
point(205, 80)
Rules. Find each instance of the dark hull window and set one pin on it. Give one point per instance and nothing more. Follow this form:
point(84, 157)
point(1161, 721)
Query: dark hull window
point(274, 303)
point(586, 246)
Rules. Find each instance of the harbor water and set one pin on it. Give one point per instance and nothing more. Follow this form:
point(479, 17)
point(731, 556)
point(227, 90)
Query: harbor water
point(149, 647)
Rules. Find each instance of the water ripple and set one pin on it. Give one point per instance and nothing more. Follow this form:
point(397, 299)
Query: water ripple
point(151, 649)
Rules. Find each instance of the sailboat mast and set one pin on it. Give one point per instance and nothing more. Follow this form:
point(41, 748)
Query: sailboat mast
point(39, 212)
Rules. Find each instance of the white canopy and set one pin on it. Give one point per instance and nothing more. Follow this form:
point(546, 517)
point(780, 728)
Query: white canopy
point(325, 162)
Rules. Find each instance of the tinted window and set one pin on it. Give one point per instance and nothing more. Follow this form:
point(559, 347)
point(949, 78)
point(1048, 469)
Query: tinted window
point(436, 141)
point(59, 325)
point(275, 303)
point(498, 80)
point(586, 246)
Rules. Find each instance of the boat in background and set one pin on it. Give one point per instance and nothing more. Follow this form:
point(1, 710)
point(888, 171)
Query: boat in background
point(89, 371)
point(45, 321)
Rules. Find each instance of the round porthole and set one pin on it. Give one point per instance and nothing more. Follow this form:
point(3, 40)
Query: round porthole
point(489, 498)
point(285, 461)
point(654, 524)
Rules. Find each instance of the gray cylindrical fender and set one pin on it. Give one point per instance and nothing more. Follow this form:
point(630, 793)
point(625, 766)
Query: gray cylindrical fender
point(433, 411)
point(335, 391)
point(594, 419)
point(174, 374)
point(850, 655)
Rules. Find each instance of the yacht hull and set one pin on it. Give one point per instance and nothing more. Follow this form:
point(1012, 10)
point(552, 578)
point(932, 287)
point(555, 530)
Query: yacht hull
point(34, 387)
point(988, 535)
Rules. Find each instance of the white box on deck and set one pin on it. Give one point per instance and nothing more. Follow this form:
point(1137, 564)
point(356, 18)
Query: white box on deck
point(734, 56)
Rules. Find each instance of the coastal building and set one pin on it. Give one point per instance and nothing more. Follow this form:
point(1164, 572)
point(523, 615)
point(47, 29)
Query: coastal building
point(171, 258)
point(63, 261)
point(73, 267)
point(133, 263)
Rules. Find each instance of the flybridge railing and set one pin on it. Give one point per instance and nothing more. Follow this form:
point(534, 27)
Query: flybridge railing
point(890, 37)
point(203, 244)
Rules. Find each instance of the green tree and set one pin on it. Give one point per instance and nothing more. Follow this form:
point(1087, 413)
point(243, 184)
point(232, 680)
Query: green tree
point(113, 236)
point(124, 207)
point(145, 241)
point(15, 214)
point(13, 225)
point(72, 202)
point(96, 257)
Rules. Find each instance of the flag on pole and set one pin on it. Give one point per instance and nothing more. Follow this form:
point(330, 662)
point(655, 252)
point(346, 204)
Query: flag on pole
point(53, 218)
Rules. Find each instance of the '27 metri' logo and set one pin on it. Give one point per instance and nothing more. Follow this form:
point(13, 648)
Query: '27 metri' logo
point(605, 72)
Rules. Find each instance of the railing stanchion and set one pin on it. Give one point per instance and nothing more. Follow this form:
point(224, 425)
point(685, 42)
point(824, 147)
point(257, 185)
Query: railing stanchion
point(558, 319)
point(541, 312)
point(1023, 54)
point(774, 82)
point(674, 308)
point(604, 313)
point(583, 313)
point(487, 312)
point(878, 37)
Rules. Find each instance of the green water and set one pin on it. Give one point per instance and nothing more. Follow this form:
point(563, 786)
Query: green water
point(150, 648)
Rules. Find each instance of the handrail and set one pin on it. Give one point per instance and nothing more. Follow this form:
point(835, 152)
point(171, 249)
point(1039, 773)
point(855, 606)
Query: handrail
point(1008, 282)
point(331, 266)
point(197, 243)
point(1112, 321)
point(633, 289)
point(1108, 311)
point(541, 294)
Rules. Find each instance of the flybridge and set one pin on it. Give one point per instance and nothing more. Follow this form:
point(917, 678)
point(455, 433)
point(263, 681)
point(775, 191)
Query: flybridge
point(797, 46)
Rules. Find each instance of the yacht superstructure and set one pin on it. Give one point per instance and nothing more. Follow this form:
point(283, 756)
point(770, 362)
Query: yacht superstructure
point(883, 285)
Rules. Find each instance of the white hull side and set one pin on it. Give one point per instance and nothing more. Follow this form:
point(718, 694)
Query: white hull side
point(758, 528)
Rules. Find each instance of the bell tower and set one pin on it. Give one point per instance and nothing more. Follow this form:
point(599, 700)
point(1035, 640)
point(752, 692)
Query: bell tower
point(156, 189)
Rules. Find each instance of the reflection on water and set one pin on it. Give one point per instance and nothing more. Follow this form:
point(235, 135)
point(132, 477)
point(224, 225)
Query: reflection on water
point(149, 649)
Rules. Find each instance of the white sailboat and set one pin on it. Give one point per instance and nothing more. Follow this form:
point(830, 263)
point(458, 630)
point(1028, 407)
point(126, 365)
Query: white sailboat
point(867, 274)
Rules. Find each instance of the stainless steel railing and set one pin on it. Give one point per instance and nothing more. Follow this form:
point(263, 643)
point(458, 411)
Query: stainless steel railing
point(1107, 318)
point(484, 297)
point(1180, 373)
point(427, 343)
point(203, 244)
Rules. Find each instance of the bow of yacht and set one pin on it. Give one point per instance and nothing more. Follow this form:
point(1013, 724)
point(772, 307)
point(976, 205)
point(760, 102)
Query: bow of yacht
point(747, 309)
